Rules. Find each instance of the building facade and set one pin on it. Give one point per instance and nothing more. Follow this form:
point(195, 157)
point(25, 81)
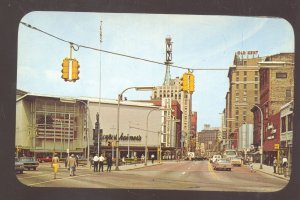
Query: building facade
point(173, 91)
point(276, 89)
point(208, 139)
point(47, 124)
point(243, 92)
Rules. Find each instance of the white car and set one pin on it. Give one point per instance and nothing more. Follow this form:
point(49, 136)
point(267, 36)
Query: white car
point(215, 158)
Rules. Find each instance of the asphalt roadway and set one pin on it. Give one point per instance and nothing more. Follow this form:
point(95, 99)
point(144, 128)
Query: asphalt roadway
point(172, 175)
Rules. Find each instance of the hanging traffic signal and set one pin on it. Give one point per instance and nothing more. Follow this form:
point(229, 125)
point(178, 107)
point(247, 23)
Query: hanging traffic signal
point(75, 70)
point(191, 82)
point(65, 69)
point(184, 82)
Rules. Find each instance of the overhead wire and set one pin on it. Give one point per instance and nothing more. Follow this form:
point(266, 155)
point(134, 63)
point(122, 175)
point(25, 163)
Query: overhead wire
point(73, 44)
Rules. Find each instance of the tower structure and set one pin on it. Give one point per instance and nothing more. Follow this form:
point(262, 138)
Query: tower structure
point(168, 61)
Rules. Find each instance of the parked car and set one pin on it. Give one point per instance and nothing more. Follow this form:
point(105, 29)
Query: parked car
point(19, 167)
point(215, 158)
point(29, 162)
point(223, 164)
point(44, 159)
point(199, 158)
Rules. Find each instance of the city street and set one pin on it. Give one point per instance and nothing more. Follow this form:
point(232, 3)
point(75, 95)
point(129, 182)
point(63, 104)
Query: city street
point(172, 175)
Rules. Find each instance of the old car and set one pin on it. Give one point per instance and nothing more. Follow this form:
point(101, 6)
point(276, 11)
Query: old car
point(236, 161)
point(29, 162)
point(19, 167)
point(222, 164)
point(44, 159)
point(215, 158)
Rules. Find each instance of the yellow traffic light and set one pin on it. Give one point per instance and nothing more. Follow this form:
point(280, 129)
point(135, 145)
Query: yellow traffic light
point(75, 70)
point(65, 69)
point(191, 82)
point(184, 82)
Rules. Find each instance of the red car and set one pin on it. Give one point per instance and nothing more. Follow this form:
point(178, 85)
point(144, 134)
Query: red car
point(44, 159)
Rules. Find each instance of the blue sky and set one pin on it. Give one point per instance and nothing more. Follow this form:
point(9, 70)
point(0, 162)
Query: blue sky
point(198, 42)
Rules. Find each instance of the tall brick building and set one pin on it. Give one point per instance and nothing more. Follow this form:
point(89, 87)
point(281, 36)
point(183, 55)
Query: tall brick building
point(276, 75)
point(243, 92)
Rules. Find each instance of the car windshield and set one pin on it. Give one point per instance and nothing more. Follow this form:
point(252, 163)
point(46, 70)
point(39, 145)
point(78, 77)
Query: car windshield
point(223, 161)
point(27, 159)
point(231, 153)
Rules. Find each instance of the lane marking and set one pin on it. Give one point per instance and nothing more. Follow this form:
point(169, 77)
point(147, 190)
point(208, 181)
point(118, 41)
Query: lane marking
point(59, 179)
point(212, 172)
point(28, 177)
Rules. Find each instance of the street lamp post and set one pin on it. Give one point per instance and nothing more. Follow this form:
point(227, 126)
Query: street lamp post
point(261, 134)
point(87, 132)
point(118, 118)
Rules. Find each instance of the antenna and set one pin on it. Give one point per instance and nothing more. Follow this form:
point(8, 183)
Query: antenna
point(168, 61)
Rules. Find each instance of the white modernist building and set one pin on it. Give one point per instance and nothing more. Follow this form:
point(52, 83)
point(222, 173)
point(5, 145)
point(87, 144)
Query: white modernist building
point(47, 124)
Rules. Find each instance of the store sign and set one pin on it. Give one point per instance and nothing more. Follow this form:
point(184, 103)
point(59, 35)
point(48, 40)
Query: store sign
point(122, 137)
point(247, 52)
point(276, 146)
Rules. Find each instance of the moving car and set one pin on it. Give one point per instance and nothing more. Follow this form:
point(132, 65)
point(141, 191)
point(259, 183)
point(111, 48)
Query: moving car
point(223, 164)
point(236, 161)
point(29, 162)
point(19, 167)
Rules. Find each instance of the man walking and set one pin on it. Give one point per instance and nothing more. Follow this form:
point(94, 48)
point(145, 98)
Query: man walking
point(96, 161)
point(72, 165)
point(101, 162)
point(109, 163)
point(274, 164)
point(152, 158)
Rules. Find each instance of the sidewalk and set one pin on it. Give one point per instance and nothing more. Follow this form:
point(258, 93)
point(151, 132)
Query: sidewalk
point(267, 170)
point(127, 167)
point(136, 166)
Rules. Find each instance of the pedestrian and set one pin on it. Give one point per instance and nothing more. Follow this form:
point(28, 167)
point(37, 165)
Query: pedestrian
point(123, 160)
point(109, 163)
point(77, 158)
point(96, 161)
point(152, 158)
point(72, 165)
point(101, 162)
point(55, 164)
point(274, 164)
point(142, 158)
point(284, 165)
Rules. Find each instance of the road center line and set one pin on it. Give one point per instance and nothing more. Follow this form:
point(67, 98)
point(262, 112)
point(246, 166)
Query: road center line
point(57, 179)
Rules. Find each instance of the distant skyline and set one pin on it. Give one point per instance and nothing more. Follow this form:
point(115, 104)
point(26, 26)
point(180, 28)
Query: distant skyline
point(198, 42)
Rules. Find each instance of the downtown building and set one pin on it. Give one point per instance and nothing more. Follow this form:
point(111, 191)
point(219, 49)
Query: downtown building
point(243, 93)
point(276, 91)
point(208, 140)
point(46, 124)
point(171, 89)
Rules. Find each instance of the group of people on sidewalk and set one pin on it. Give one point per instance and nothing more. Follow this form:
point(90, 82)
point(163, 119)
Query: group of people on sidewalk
point(71, 162)
point(284, 165)
point(98, 162)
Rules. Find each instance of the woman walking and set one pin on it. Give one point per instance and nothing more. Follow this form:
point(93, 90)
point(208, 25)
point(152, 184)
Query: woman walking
point(55, 164)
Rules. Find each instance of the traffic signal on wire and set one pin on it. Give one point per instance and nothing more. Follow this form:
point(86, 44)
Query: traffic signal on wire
point(191, 80)
point(65, 69)
point(184, 82)
point(75, 70)
point(188, 82)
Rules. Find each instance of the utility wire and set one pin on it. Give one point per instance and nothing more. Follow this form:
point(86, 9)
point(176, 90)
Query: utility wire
point(76, 47)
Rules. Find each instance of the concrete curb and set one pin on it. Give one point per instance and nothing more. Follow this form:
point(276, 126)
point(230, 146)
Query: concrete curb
point(275, 175)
